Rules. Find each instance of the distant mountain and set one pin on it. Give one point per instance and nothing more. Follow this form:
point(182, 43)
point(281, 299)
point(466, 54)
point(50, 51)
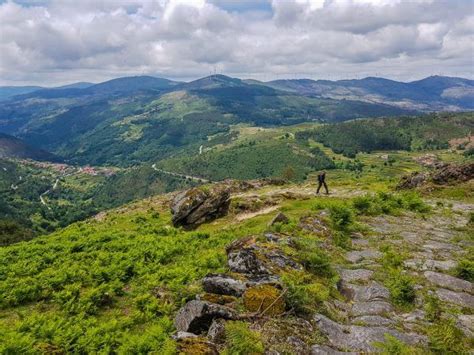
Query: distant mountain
point(131, 120)
point(79, 85)
point(10, 91)
point(435, 93)
point(11, 147)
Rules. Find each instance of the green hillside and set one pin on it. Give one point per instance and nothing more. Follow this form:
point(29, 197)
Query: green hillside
point(114, 283)
point(432, 131)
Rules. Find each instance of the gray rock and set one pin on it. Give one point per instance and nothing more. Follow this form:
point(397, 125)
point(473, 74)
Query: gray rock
point(373, 320)
point(371, 292)
point(245, 261)
point(223, 285)
point(216, 332)
point(371, 308)
point(439, 246)
point(360, 255)
point(465, 322)
point(183, 335)
point(195, 206)
point(356, 275)
point(314, 224)
point(326, 350)
point(450, 282)
point(433, 265)
point(279, 218)
point(359, 338)
point(415, 316)
point(197, 316)
point(459, 298)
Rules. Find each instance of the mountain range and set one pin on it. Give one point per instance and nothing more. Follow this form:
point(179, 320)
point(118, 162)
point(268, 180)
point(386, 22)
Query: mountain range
point(130, 120)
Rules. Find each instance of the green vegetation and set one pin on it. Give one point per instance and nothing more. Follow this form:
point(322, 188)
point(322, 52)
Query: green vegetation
point(428, 132)
point(401, 288)
point(393, 346)
point(252, 160)
point(446, 338)
point(240, 340)
point(465, 269)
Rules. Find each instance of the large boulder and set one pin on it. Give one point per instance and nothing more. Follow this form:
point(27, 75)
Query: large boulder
point(453, 173)
point(195, 206)
point(196, 316)
point(223, 285)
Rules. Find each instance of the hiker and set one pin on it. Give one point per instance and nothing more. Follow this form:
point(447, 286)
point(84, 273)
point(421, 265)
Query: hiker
point(322, 181)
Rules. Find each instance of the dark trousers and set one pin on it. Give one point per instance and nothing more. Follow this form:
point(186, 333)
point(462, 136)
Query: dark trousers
point(322, 183)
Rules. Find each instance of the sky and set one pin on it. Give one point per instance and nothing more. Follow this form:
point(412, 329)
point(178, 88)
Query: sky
point(58, 42)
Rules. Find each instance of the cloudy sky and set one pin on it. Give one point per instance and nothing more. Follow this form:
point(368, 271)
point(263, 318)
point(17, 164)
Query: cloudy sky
point(61, 41)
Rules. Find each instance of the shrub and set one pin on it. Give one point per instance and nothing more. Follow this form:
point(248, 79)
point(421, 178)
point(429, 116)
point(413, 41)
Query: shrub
point(394, 346)
point(392, 258)
point(317, 262)
point(465, 269)
point(402, 291)
point(432, 308)
point(446, 338)
point(303, 295)
point(413, 202)
point(341, 216)
point(240, 340)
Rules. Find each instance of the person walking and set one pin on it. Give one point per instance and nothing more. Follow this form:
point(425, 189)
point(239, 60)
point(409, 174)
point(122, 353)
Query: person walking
point(322, 182)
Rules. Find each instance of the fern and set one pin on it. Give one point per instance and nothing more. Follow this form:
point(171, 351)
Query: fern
point(241, 340)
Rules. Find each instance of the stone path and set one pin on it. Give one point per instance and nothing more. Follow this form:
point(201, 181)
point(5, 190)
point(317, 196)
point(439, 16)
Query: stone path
point(434, 246)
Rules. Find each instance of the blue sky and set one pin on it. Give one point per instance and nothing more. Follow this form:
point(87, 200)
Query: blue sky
point(61, 41)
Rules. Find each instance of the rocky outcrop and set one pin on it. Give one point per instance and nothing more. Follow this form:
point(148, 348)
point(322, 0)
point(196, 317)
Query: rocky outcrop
point(196, 316)
point(453, 173)
point(443, 174)
point(193, 207)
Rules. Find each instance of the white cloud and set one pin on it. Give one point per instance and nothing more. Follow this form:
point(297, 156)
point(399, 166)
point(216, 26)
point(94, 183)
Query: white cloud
point(60, 41)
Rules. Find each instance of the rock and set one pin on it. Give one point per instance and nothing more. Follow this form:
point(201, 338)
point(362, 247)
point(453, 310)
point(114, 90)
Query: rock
point(465, 322)
point(183, 335)
point(356, 275)
point(447, 281)
point(279, 218)
point(246, 261)
point(358, 256)
point(196, 316)
point(429, 264)
point(265, 299)
point(216, 332)
point(223, 284)
point(326, 350)
point(372, 320)
point(371, 308)
point(372, 292)
point(413, 180)
point(246, 256)
point(443, 175)
point(193, 207)
point(314, 224)
point(439, 246)
point(453, 173)
point(359, 338)
point(459, 298)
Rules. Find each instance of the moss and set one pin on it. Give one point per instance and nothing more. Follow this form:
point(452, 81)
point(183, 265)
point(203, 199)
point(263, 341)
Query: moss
point(219, 299)
point(264, 298)
point(196, 346)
